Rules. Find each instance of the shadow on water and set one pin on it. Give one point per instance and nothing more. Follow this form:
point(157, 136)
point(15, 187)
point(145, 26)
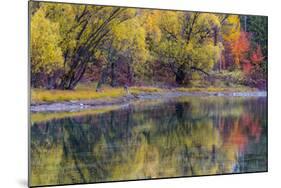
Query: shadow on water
point(183, 137)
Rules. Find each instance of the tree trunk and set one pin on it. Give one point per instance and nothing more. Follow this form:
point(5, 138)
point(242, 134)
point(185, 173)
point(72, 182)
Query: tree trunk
point(180, 76)
point(50, 82)
point(215, 36)
point(73, 76)
point(102, 79)
point(129, 74)
point(113, 76)
point(78, 76)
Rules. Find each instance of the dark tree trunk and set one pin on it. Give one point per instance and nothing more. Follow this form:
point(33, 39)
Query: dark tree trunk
point(50, 82)
point(78, 62)
point(73, 76)
point(35, 80)
point(215, 36)
point(216, 40)
point(78, 76)
point(113, 75)
point(129, 74)
point(103, 77)
point(180, 76)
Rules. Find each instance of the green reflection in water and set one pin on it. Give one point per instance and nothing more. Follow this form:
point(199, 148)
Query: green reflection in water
point(187, 136)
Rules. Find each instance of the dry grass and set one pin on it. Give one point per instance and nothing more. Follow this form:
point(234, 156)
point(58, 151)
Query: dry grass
point(88, 92)
point(137, 90)
point(41, 95)
point(85, 92)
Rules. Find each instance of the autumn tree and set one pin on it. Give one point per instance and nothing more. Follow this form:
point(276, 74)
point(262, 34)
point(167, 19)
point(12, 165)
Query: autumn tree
point(126, 42)
point(135, 46)
point(230, 32)
point(46, 54)
point(187, 43)
point(257, 56)
point(257, 26)
point(82, 28)
point(240, 48)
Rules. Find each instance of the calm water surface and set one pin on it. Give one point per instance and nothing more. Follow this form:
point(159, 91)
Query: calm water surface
point(187, 136)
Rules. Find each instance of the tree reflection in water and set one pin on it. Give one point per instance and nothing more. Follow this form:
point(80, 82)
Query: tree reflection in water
point(184, 137)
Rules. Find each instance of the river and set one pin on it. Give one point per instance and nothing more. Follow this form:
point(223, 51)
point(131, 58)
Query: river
point(182, 136)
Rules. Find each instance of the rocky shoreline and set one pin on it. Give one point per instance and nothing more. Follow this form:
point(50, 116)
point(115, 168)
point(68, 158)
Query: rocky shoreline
point(125, 100)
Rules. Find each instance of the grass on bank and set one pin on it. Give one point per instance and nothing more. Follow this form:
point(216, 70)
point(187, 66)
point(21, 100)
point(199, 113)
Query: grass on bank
point(84, 92)
point(88, 92)
point(42, 95)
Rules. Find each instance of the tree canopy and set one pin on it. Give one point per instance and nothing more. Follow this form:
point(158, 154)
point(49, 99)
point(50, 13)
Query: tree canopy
point(70, 43)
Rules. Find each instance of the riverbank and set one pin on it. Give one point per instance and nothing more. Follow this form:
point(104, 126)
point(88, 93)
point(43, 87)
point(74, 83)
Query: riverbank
point(88, 92)
point(127, 98)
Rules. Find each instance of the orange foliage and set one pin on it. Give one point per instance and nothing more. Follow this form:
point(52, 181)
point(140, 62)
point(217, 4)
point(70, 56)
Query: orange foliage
point(257, 56)
point(240, 47)
point(247, 67)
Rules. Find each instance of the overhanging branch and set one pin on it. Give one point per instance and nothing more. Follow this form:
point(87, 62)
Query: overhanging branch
point(200, 70)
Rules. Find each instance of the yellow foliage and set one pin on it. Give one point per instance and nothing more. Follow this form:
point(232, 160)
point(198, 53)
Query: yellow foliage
point(231, 30)
point(209, 20)
point(151, 20)
point(46, 55)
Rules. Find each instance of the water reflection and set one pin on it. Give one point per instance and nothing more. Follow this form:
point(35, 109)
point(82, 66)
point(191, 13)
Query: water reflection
point(184, 137)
